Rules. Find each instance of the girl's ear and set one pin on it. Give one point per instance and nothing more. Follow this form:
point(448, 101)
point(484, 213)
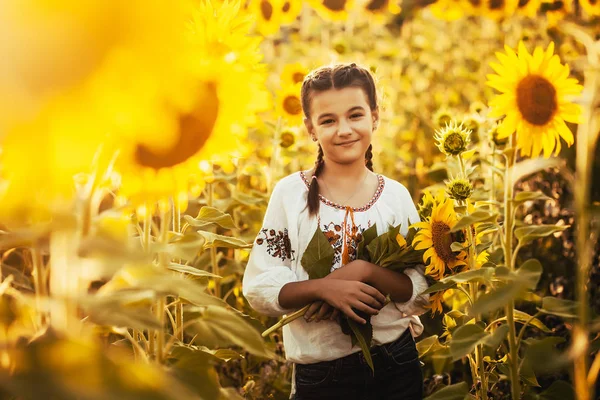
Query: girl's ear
point(375, 116)
point(309, 127)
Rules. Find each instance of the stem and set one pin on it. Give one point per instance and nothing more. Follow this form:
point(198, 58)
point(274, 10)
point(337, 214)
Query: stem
point(179, 304)
point(39, 281)
point(138, 350)
point(522, 331)
point(286, 320)
point(474, 287)
point(147, 228)
point(163, 260)
point(508, 241)
point(213, 250)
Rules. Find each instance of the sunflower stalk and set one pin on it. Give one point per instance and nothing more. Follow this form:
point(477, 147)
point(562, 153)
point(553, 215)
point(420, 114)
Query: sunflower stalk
point(178, 303)
point(587, 136)
point(474, 290)
point(508, 251)
point(213, 249)
point(146, 237)
point(163, 262)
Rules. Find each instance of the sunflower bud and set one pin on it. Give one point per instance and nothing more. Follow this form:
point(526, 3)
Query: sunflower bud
point(453, 139)
point(472, 124)
point(287, 139)
point(426, 205)
point(493, 136)
point(459, 189)
point(442, 117)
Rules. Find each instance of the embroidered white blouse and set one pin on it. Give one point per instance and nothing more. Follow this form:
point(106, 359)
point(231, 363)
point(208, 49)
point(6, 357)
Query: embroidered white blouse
point(278, 248)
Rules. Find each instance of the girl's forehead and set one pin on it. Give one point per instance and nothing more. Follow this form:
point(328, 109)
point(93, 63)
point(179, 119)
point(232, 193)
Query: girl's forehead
point(338, 100)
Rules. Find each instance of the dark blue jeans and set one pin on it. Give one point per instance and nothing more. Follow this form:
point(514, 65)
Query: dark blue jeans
point(397, 375)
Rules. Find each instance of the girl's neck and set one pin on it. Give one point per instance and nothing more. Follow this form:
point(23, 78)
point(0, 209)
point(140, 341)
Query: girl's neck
point(346, 172)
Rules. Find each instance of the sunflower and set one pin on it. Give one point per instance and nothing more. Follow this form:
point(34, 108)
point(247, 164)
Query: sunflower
point(164, 160)
point(436, 303)
point(380, 9)
point(289, 105)
point(498, 9)
point(443, 117)
point(556, 10)
point(293, 74)
point(269, 15)
point(592, 7)
point(448, 10)
point(290, 9)
point(453, 139)
point(434, 236)
point(333, 10)
point(428, 201)
point(528, 8)
point(534, 99)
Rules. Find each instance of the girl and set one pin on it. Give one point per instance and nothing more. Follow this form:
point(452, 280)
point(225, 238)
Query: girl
point(343, 197)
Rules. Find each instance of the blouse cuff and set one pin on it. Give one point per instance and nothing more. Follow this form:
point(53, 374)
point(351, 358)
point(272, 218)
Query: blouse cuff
point(418, 303)
point(262, 292)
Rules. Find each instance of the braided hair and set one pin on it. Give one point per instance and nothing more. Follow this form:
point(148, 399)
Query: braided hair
point(338, 76)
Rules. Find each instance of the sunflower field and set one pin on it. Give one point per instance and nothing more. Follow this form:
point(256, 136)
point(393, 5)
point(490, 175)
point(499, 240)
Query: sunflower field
point(140, 142)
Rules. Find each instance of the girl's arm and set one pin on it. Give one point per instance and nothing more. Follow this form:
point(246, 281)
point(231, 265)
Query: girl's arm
point(344, 295)
point(397, 284)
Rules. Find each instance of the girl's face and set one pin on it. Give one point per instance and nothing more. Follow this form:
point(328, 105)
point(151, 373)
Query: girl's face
point(342, 122)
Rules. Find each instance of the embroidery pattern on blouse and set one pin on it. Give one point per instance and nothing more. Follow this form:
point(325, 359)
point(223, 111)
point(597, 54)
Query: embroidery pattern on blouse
point(335, 235)
point(278, 243)
point(355, 209)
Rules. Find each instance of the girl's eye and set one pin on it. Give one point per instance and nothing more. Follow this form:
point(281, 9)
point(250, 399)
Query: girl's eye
point(356, 116)
point(326, 121)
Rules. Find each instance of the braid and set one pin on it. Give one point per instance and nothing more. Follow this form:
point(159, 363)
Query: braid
point(313, 190)
point(369, 158)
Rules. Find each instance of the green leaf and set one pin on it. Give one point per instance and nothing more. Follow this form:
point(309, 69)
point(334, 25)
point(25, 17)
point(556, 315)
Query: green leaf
point(528, 234)
point(542, 356)
point(125, 308)
point(214, 240)
point(476, 217)
point(458, 391)
point(186, 269)
point(210, 215)
point(559, 390)
point(220, 327)
point(480, 275)
point(363, 335)
point(465, 338)
point(436, 287)
point(531, 166)
point(529, 196)
point(528, 375)
point(378, 248)
point(494, 340)
point(523, 317)
point(560, 307)
point(529, 273)
point(497, 298)
point(193, 366)
point(318, 256)
point(429, 344)
point(456, 247)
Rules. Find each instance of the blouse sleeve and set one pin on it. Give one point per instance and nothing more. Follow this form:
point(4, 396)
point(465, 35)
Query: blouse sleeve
point(417, 304)
point(269, 267)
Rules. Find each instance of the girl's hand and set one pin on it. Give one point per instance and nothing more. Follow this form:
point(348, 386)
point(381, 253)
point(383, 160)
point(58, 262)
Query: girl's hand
point(345, 295)
point(321, 311)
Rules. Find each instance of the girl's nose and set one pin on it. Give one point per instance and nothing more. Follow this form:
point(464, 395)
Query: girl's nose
point(344, 127)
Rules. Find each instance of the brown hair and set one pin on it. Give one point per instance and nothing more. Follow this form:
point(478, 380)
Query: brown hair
point(338, 76)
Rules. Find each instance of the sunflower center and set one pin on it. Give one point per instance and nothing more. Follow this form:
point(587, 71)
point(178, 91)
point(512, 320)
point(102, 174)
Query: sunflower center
point(335, 5)
point(266, 9)
point(523, 3)
point(194, 128)
point(475, 3)
point(291, 104)
point(536, 99)
point(441, 238)
point(298, 77)
point(376, 5)
point(496, 4)
point(286, 7)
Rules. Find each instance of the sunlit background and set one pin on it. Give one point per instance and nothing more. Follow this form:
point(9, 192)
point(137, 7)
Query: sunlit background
point(140, 141)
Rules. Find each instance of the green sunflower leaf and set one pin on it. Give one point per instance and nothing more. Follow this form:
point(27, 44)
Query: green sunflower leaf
point(318, 256)
point(528, 234)
point(367, 237)
point(458, 391)
point(363, 335)
point(476, 217)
